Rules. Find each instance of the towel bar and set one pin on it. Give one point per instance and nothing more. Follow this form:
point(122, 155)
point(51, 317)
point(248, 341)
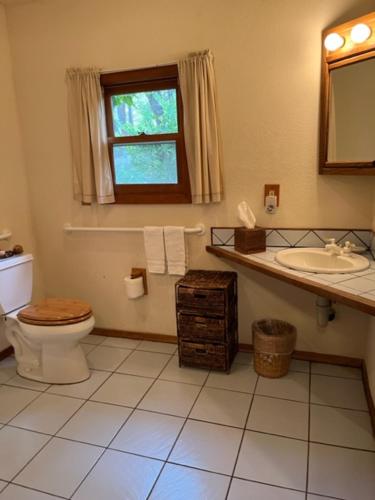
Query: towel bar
point(199, 229)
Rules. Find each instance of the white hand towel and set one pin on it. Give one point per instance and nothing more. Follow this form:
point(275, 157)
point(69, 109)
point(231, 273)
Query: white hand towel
point(154, 247)
point(174, 238)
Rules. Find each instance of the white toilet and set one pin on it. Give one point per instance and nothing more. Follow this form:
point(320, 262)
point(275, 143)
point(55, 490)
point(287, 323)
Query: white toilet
point(45, 336)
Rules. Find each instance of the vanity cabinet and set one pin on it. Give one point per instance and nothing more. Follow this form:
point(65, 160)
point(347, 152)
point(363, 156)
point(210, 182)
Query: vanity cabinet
point(206, 308)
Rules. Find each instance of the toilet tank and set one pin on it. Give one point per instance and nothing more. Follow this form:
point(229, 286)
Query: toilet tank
point(16, 281)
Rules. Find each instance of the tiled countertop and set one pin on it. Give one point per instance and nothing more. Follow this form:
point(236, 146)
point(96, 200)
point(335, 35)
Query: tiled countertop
point(355, 290)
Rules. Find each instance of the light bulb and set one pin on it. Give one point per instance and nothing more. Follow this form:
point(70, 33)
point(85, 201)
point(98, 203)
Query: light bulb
point(333, 41)
point(360, 33)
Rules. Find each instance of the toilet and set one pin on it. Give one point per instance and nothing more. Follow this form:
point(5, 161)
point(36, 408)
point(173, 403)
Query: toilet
point(45, 336)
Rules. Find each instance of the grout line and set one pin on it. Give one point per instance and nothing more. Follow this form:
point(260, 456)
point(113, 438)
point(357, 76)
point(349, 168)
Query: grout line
point(323, 497)
point(229, 390)
point(269, 484)
point(339, 407)
point(114, 368)
point(308, 438)
point(80, 397)
point(148, 376)
point(48, 441)
point(187, 418)
point(137, 408)
point(177, 437)
point(52, 436)
point(338, 376)
point(299, 241)
point(194, 467)
point(32, 489)
point(242, 438)
point(274, 434)
point(97, 461)
point(5, 384)
point(24, 408)
point(343, 447)
point(118, 431)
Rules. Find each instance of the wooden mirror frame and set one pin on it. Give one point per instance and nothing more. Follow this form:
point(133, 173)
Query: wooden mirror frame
point(349, 53)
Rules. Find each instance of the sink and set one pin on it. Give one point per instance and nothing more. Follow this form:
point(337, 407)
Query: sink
point(317, 260)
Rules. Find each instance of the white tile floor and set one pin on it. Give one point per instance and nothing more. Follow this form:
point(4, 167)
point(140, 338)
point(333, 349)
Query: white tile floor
point(143, 428)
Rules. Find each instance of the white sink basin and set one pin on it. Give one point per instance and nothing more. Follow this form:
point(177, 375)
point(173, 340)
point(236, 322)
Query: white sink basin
point(317, 260)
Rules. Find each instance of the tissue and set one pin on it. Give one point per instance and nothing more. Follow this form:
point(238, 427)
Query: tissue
point(246, 215)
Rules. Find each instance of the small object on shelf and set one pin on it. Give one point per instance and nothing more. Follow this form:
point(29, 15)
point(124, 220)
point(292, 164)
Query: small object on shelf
point(17, 249)
point(206, 304)
point(273, 341)
point(249, 240)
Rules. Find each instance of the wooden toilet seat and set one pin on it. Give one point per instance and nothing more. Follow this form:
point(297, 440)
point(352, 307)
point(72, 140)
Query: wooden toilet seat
point(54, 312)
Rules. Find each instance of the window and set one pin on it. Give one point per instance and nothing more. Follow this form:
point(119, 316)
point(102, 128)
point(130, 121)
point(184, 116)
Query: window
point(145, 136)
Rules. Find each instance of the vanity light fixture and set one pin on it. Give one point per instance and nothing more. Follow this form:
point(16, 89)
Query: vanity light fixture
point(360, 33)
point(334, 41)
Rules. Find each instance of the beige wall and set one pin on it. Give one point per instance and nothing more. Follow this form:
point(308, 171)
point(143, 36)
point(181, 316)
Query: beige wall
point(14, 200)
point(268, 70)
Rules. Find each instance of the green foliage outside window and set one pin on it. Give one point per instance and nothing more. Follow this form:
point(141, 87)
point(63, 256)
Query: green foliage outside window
point(146, 113)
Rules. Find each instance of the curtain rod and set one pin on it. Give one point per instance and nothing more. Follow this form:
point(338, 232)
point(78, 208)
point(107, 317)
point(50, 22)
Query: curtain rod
point(191, 54)
point(117, 70)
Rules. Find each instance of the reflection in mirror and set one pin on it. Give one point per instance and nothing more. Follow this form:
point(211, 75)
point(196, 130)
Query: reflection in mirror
point(351, 128)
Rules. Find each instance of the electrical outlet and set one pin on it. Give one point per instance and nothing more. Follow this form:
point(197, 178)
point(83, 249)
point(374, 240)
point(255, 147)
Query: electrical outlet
point(276, 191)
point(271, 197)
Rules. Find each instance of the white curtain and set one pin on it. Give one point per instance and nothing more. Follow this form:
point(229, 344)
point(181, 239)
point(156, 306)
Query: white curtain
point(92, 176)
point(201, 127)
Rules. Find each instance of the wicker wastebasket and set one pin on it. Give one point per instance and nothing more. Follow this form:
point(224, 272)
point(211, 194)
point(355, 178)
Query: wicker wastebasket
point(274, 341)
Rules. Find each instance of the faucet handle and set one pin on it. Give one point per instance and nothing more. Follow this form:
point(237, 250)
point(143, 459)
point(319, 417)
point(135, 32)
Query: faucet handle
point(331, 241)
point(348, 247)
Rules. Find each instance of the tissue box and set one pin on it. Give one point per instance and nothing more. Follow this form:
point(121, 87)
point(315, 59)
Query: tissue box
point(249, 240)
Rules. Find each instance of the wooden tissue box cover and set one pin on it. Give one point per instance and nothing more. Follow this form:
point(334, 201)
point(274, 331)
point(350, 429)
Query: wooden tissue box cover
point(249, 240)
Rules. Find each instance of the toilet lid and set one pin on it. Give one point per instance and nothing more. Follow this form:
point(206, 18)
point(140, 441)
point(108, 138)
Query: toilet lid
point(51, 312)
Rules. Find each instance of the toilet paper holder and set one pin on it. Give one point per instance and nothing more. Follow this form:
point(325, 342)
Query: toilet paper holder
point(137, 272)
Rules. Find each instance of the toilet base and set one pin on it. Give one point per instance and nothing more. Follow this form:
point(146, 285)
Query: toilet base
point(67, 366)
point(38, 378)
point(49, 354)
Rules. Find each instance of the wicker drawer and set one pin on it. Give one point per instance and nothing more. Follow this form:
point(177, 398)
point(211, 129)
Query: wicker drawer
point(204, 355)
point(201, 327)
point(205, 299)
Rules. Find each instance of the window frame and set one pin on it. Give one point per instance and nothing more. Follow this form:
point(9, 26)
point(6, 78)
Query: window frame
point(141, 80)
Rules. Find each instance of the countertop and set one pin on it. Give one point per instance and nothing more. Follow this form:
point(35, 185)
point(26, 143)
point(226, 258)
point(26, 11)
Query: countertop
point(355, 290)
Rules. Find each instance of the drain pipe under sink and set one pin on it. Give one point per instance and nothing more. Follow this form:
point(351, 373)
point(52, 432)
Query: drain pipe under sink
point(324, 311)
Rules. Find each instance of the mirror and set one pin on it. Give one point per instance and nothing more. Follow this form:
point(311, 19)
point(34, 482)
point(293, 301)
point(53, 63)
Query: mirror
point(347, 135)
point(351, 126)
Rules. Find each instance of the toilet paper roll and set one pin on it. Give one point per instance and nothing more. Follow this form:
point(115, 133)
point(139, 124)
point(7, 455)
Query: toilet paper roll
point(134, 287)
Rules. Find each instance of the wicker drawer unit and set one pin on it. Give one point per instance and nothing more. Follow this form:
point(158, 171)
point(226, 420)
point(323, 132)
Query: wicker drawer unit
point(206, 303)
point(204, 327)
